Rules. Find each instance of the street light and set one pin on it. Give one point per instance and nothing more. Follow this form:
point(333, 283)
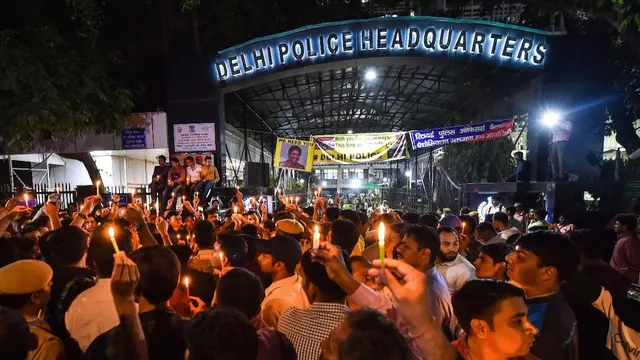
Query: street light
point(350, 131)
point(324, 184)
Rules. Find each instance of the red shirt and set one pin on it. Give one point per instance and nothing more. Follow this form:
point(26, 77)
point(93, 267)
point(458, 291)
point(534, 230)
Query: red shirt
point(626, 256)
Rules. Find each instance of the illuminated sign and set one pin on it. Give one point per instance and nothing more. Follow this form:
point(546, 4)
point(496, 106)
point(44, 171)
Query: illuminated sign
point(468, 40)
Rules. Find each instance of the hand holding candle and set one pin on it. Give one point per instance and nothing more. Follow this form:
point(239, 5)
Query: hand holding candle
point(26, 200)
point(113, 240)
point(316, 239)
point(297, 199)
point(381, 234)
point(98, 187)
point(235, 210)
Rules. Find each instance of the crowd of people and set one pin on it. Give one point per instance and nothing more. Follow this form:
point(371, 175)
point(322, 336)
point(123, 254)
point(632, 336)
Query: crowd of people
point(312, 283)
point(193, 180)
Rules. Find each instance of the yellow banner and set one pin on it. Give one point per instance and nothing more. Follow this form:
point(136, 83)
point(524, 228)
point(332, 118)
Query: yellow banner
point(294, 154)
point(359, 148)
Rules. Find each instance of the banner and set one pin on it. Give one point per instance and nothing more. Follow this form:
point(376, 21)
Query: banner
point(492, 130)
point(359, 148)
point(194, 137)
point(294, 154)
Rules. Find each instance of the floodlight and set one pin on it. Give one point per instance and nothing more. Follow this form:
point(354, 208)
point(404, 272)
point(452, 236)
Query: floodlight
point(370, 75)
point(551, 118)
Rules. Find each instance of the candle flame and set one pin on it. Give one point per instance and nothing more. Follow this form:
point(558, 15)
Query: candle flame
point(186, 281)
point(381, 233)
point(316, 229)
point(111, 232)
point(26, 198)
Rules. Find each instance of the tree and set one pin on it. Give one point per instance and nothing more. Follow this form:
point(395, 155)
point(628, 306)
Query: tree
point(54, 77)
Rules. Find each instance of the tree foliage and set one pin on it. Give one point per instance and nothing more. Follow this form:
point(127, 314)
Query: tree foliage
point(54, 78)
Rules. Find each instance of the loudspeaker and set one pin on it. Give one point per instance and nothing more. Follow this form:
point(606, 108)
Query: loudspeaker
point(256, 174)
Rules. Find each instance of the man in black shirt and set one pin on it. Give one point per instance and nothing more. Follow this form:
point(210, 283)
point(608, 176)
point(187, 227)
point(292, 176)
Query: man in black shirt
point(67, 250)
point(523, 168)
point(163, 329)
point(541, 262)
point(159, 181)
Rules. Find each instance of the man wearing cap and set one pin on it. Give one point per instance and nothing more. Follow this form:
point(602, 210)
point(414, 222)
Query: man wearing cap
point(289, 227)
point(25, 286)
point(279, 257)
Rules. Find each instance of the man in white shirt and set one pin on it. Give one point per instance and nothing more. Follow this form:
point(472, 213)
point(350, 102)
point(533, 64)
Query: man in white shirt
point(193, 175)
point(279, 257)
point(92, 313)
point(454, 268)
point(561, 134)
point(501, 224)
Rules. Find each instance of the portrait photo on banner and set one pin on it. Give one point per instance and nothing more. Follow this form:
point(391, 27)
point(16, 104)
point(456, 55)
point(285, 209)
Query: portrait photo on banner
point(294, 154)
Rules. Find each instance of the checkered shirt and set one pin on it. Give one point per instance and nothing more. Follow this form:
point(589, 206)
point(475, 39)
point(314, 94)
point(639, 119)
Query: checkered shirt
point(306, 329)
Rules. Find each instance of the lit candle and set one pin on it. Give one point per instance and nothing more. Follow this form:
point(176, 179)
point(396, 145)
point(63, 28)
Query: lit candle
point(463, 224)
point(57, 190)
point(188, 238)
point(81, 207)
point(315, 193)
point(26, 199)
point(183, 198)
point(319, 191)
point(178, 237)
point(291, 199)
point(98, 187)
point(221, 256)
point(186, 286)
point(381, 244)
point(316, 239)
point(113, 239)
point(133, 195)
point(235, 209)
point(157, 209)
point(297, 199)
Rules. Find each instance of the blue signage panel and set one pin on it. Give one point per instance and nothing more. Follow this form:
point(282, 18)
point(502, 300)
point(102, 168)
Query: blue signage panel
point(469, 40)
point(134, 138)
point(492, 130)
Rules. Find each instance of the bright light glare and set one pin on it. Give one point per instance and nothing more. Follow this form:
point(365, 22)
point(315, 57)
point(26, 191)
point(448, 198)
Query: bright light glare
point(370, 75)
point(355, 183)
point(407, 173)
point(550, 118)
point(385, 180)
point(350, 132)
point(324, 184)
point(301, 181)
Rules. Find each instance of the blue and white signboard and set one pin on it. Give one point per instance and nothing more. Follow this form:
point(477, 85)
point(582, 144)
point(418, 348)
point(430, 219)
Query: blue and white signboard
point(134, 139)
point(475, 132)
point(496, 44)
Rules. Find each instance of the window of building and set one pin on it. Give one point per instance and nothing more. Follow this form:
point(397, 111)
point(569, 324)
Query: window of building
point(330, 174)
